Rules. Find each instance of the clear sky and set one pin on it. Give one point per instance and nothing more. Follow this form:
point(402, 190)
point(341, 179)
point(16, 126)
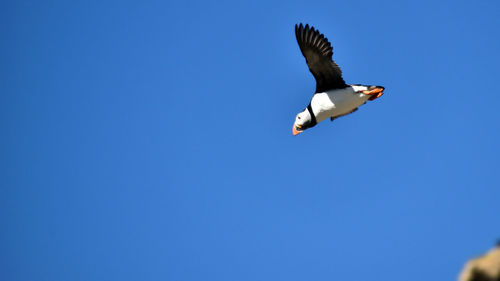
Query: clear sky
point(151, 140)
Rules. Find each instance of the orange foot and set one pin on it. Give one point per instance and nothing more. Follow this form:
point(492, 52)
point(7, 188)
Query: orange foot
point(374, 93)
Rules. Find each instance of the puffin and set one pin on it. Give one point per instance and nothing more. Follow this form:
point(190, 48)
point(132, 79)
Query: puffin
point(333, 98)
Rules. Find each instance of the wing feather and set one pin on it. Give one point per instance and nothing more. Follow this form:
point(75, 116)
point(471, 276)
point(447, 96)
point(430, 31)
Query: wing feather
point(318, 53)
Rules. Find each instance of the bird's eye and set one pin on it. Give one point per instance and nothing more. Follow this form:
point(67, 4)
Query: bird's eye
point(298, 117)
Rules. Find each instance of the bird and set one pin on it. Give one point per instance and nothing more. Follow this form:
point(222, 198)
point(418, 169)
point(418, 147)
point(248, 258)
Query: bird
point(483, 268)
point(333, 98)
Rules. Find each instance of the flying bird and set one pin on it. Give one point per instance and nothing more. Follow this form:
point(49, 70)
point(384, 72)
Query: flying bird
point(484, 268)
point(333, 97)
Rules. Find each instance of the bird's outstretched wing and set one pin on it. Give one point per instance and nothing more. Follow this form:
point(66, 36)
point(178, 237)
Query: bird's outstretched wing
point(318, 53)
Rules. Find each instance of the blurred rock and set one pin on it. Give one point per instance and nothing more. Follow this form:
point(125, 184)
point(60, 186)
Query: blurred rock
point(484, 268)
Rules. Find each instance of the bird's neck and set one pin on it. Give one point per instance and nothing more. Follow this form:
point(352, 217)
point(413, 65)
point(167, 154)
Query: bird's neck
point(318, 105)
point(314, 122)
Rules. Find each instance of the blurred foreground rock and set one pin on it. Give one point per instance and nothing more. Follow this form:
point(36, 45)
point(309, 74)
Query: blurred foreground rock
point(484, 268)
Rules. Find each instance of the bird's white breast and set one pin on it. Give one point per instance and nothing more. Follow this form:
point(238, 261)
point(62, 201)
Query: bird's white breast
point(336, 102)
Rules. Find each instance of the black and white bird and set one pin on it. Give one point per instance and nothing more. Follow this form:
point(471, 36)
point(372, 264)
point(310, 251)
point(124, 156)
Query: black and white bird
point(333, 97)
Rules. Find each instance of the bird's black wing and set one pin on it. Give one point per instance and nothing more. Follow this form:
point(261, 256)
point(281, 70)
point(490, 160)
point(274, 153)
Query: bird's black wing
point(318, 53)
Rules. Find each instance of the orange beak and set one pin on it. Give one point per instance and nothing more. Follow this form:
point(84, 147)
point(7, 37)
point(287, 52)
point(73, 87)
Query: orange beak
point(295, 131)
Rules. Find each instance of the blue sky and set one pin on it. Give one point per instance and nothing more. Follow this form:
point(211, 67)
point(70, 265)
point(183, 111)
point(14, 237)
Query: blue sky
point(152, 141)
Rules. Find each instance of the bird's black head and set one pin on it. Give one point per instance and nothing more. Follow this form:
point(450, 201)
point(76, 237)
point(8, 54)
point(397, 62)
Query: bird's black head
point(303, 121)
